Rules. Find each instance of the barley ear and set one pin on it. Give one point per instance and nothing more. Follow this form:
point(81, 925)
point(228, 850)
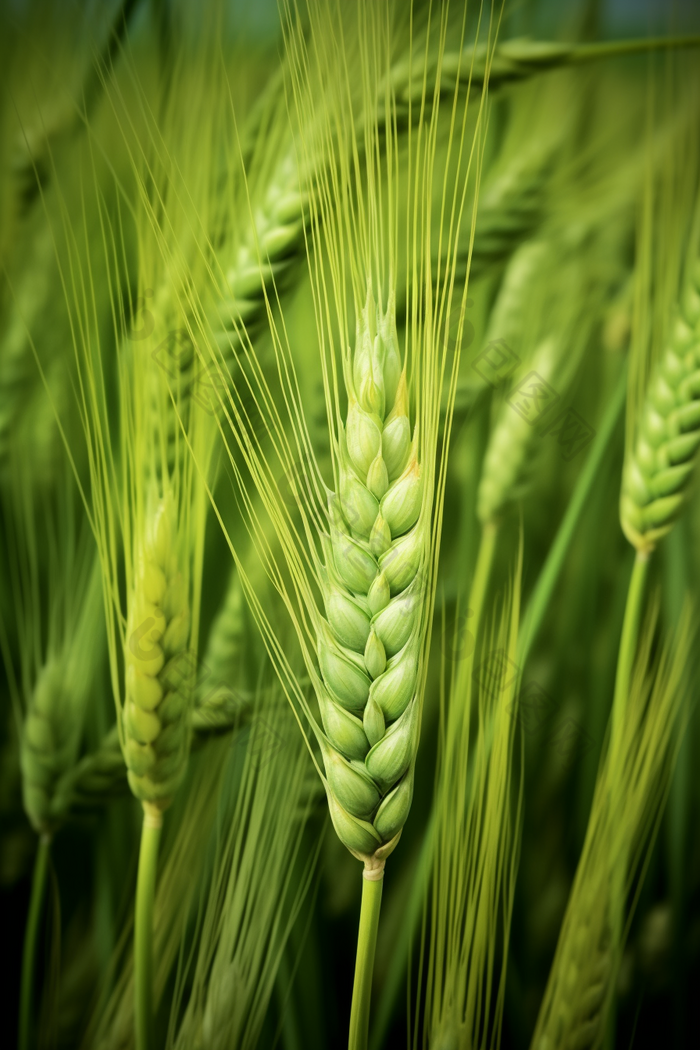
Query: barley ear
point(658, 468)
point(159, 674)
point(509, 451)
point(47, 746)
point(369, 648)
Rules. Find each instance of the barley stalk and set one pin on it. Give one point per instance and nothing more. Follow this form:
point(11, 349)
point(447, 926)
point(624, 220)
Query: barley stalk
point(36, 902)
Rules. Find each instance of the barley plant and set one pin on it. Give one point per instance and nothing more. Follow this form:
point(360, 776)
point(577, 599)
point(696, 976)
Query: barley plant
point(349, 425)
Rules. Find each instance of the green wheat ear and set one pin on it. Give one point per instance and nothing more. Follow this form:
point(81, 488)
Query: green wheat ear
point(374, 595)
point(657, 472)
point(158, 685)
point(49, 744)
point(99, 776)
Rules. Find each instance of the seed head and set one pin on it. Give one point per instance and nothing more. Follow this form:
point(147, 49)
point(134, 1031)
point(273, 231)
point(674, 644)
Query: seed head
point(373, 593)
point(658, 469)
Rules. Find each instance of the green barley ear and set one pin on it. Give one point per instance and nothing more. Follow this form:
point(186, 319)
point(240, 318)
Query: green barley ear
point(92, 781)
point(220, 704)
point(376, 562)
point(510, 61)
point(505, 469)
point(159, 686)
point(50, 741)
point(663, 404)
point(149, 481)
point(369, 544)
point(659, 466)
point(56, 589)
point(548, 304)
point(222, 699)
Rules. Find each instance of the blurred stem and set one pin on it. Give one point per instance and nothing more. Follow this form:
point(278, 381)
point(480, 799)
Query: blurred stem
point(36, 901)
point(143, 926)
point(676, 573)
point(549, 574)
point(482, 573)
point(364, 965)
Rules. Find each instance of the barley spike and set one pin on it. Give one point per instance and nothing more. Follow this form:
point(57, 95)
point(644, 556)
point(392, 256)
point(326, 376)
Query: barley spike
point(507, 458)
point(369, 648)
point(159, 684)
point(101, 775)
point(48, 745)
point(657, 471)
point(508, 62)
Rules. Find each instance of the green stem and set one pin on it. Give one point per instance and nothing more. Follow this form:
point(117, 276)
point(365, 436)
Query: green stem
point(628, 644)
point(482, 573)
point(625, 663)
point(549, 574)
point(143, 926)
point(364, 965)
point(36, 901)
point(399, 955)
